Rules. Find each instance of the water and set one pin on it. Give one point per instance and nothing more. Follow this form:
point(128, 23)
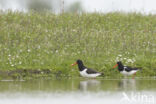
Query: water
point(105, 6)
point(78, 91)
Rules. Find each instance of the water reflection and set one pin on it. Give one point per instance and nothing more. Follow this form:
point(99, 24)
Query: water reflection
point(74, 85)
point(91, 84)
point(127, 84)
point(57, 6)
point(78, 91)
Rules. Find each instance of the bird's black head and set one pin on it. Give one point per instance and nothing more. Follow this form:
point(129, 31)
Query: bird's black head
point(119, 63)
point(120, 66)
point(80, 64)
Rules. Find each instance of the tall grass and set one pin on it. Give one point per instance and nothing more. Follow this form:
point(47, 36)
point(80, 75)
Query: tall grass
point(49, 41)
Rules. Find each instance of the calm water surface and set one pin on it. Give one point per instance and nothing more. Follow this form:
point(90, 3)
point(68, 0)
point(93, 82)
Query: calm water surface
point(78, 91)
point(104, 6)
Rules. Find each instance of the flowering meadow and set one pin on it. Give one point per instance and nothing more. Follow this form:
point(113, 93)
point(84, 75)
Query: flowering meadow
point(55, 41)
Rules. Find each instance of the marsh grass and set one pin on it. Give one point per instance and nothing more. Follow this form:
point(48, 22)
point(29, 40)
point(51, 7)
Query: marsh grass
point(49, 41)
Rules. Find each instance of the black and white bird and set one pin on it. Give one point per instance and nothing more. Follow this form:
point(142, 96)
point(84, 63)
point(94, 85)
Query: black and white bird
point(126, 70)
point(86, 72)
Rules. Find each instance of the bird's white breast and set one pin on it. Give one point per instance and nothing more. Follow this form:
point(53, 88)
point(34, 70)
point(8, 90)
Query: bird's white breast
point(85, 74)
point(128, 73)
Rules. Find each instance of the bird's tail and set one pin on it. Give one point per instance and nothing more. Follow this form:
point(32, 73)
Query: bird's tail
point(102, 74)
point(139, 68)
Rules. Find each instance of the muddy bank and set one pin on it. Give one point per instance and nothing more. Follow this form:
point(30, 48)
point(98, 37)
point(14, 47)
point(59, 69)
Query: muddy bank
point(29, 73)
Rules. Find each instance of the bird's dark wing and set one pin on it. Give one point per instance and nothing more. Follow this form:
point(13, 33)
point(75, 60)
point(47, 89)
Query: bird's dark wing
point(128, 68)
point(91, 71)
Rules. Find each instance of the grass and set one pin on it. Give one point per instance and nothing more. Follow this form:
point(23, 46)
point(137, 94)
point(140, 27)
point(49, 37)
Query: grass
point(49, 41)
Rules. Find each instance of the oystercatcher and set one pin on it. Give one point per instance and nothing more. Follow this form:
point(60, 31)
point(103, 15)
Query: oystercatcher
point(86, 72)
point(126, 70)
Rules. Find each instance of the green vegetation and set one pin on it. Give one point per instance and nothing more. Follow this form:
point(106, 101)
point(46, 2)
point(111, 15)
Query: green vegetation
point(49, 41)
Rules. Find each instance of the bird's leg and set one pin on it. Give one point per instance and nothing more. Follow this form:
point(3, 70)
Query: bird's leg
point(133, 75)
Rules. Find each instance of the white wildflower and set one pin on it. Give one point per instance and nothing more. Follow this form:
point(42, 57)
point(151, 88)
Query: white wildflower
point(119, 55)
point(127, 52)
point(20, 62)
point(21, 50)
point(17, 56)
point(117, 58)
point(130, 61)
point(13, 58)
point(28, 50)
point(46, 30)
point(121, 59)
point(39, 46)
point(74, 30)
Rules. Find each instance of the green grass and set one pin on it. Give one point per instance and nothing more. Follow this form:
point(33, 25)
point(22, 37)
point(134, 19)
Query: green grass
point(49, 41)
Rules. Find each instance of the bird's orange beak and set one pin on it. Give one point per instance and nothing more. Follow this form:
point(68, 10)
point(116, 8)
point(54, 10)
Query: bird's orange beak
point(115, 66)
point(74, 64)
